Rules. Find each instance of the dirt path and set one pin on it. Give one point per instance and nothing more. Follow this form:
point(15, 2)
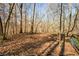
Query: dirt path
point(69, 50)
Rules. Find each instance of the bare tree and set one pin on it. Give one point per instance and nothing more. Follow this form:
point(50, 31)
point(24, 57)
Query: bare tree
point(69, 19)
point(25, 19)
point(16, 18)
point(21, 6)
point(32, 25)
point(74, 24)
point(2, 18)
point(1, 27)
point(61, 19)
point(8, 19)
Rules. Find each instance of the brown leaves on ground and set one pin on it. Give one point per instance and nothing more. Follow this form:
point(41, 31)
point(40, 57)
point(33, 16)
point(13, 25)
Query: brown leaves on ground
point(24, 42)
point(69, 50)
point(34, 44)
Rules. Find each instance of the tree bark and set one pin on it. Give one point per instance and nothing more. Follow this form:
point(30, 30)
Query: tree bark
point(15, 20)
point(32, 25)
point(61, 19)
point(21, 6)
point(1, 27)
point(8, 19)
point(25, 20)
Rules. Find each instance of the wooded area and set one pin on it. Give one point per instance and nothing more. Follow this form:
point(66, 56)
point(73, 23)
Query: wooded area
point(39, 29)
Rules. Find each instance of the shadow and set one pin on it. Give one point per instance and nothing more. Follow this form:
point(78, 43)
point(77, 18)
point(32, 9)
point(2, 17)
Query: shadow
point(53, 48)
point(25, 47)
point(62, 48)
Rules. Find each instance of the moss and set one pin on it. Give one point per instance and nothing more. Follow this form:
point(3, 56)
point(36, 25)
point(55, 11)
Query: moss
point(75, 41)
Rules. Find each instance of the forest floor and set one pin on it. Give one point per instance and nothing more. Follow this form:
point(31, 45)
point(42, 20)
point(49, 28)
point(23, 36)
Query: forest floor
point(35, 44)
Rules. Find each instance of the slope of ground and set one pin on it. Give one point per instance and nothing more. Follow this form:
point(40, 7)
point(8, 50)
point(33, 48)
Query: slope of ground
point(22, 43)
point(35, 44)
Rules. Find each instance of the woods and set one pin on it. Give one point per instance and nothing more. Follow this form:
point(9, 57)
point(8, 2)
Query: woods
point(32, 23)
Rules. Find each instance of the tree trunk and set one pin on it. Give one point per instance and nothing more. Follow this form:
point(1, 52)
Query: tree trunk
point(75, 20)
point(1, 27)
point(69, 24)
point(10, 12)
point(32, 25)
point(61, 19)
point(21, 6)
point(15, 20)
point(25, 20)
point(70, 9)
point(60, 36)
